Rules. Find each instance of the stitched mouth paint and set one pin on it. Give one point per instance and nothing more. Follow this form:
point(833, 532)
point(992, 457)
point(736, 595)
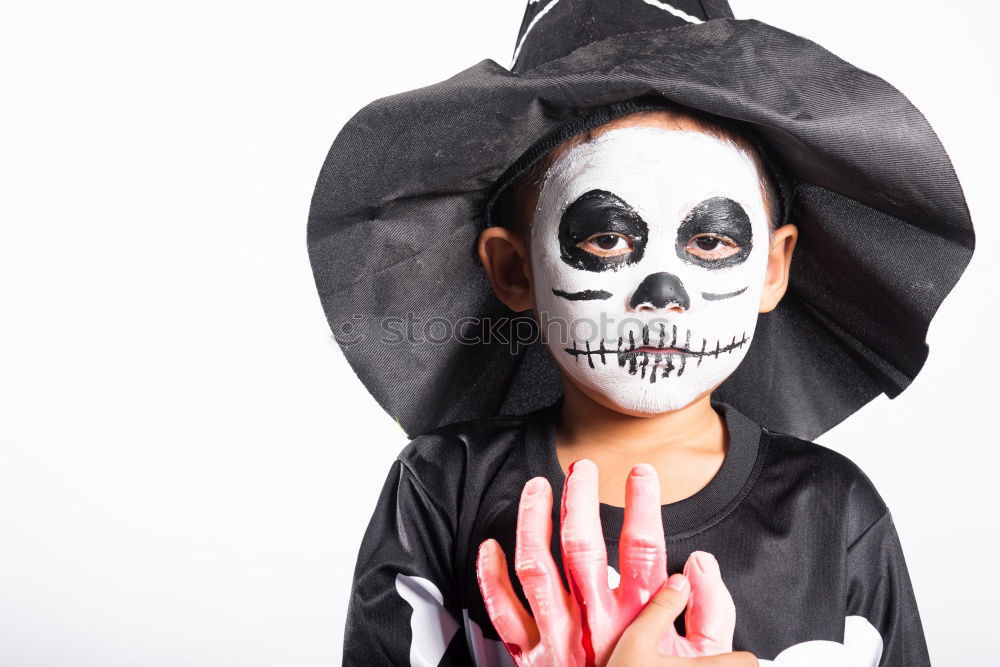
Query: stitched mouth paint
point(655, 356)
point(650, 246)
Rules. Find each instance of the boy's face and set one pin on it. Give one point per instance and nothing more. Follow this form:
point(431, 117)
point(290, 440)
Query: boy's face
point(649, 248)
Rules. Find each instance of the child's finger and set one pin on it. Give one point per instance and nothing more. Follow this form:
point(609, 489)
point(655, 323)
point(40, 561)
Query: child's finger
point(711, 614)
point(657, 618)
point(642, 552)
point(533, 563)
point(584, 553)
point(512, 622)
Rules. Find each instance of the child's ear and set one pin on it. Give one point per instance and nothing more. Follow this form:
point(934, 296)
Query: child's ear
point(778, 263)
point(503, 255)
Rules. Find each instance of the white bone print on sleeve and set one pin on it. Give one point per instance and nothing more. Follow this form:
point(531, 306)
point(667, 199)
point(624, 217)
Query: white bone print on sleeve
point(431, 626)
point(862, 647)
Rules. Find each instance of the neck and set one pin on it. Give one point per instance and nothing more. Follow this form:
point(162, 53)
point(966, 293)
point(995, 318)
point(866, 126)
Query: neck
point(584, 420)
point(686, 446)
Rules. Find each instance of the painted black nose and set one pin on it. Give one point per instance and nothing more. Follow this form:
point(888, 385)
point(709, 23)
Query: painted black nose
point(660, 290)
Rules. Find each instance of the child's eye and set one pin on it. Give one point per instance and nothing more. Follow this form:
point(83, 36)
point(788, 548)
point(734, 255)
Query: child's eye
point(607, 244)
point(712, 246)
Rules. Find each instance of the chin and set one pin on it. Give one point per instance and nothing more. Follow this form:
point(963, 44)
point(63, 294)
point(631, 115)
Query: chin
point(645, 401)
point(647, 405)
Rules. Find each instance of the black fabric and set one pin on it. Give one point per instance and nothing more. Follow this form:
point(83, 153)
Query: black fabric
point(553, 28)
point(885, 231)
point(803, 539)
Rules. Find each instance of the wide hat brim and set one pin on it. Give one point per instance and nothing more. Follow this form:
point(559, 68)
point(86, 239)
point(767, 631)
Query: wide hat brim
point(885, 232)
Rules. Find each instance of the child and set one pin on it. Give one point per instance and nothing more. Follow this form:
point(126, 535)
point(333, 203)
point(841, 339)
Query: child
point(679, 226)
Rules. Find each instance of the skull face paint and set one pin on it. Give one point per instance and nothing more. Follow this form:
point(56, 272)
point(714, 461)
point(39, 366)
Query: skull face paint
point(649, 249)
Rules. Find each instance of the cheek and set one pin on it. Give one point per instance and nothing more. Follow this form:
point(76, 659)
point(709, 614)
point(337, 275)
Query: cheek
point(728, 319)
point(550, 272)
point(717, 287)
point(754, 272)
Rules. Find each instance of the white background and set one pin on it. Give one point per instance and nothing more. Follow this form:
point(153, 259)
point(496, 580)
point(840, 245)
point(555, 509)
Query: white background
point(187, 463)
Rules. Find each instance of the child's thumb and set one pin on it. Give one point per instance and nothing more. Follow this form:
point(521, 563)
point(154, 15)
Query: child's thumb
point(658, 616)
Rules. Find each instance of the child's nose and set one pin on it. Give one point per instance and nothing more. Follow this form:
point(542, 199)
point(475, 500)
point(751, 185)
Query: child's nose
point(658, 291)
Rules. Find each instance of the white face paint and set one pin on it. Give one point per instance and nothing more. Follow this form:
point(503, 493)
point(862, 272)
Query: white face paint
point(633, 299)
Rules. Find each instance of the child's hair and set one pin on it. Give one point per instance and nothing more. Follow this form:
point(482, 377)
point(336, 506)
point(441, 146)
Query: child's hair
point(517, 202)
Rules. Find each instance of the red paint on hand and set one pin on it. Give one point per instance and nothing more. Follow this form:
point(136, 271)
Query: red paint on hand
point(513, 649)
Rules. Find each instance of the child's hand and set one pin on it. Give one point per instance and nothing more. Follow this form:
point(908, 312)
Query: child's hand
point(639, 644)
point(583, 628)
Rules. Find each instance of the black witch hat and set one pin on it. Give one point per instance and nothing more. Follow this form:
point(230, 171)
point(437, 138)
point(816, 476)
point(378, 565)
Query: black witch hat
point(411, 179)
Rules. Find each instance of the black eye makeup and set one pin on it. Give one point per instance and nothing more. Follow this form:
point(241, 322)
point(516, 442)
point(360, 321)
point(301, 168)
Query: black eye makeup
point(599, 231)
point(715, 234)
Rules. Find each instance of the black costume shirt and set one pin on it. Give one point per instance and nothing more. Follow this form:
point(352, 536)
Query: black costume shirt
point(806, 546)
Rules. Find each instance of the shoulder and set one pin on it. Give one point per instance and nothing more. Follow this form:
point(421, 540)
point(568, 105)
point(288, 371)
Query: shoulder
point(447, 446)
point(823, 477)
point(463, 452)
